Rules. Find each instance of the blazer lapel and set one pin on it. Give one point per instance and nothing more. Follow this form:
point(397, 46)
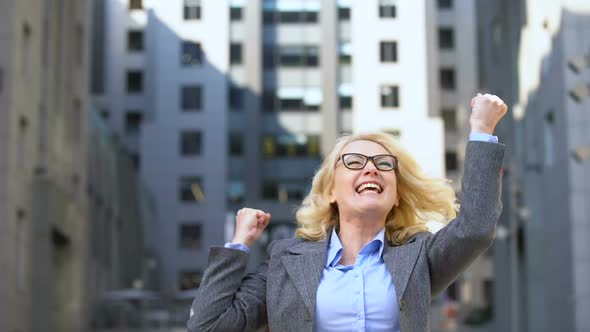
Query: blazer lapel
point(400, 261)
point(304, 263)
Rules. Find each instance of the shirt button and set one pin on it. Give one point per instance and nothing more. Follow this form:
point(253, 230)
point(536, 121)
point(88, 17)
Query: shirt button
point(356, 275)
point(358, 316)
point(356, 292)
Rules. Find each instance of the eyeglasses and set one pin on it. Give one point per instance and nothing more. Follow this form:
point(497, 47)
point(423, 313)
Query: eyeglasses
point(356, 161)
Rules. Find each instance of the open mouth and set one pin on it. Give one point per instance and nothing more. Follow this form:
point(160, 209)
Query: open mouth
point(369, 187)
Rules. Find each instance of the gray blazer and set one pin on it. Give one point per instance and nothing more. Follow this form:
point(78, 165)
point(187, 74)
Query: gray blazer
point(282, 292)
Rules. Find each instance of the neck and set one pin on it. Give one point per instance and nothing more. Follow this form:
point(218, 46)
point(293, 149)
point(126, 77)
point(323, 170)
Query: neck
point(354, 234)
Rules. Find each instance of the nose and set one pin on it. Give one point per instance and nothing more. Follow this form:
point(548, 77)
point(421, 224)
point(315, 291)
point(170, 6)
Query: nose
point(370, 168)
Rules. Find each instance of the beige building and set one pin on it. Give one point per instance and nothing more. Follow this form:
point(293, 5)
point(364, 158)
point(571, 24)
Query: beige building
point(49, 255)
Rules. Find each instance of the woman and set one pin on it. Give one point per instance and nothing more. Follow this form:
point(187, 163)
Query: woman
point(362, 259)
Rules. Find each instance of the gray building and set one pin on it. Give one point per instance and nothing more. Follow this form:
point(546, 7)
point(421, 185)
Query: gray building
point(541, 253)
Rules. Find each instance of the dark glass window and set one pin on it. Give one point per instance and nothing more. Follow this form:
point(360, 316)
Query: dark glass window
point(190, 189)
point(390, 96)
point(134, 81)
point(387, 9)
point(268, 56)
point(190, 236)
point(190, 143)
point(447, 79)
point(284, 190)
point(446, 38)
point(388, 51)
point(236, 144)
point(192, 9)
point(235, 53)
point(345, 102)
point(133, 121)
point(135, 41)
point(135, 4)
point(451, 161)
point(191, 53)
point(269, 101)
point(191, 98)
point(189, 280)
point(235, 13)
point(236, 98)
point(236, 191)
point(344, 13)
point(445, 4)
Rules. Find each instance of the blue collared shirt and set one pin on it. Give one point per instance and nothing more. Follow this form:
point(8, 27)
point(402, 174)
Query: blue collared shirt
point(359, 297)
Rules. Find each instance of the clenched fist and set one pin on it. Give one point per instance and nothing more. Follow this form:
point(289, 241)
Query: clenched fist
point(486, 112)
point(250, 224)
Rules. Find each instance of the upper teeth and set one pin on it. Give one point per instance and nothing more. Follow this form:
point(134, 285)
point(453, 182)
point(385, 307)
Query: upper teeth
point(368, 185)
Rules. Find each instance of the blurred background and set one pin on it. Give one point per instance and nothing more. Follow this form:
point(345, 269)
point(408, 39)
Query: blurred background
point(132, 131)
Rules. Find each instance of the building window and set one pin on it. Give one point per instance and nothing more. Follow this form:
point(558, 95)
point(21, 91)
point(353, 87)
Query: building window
point(190, 143)
point(388, 51)
point(447, 79)
point(191, 189)
point(387, 8)
point(445, 4)
point(191, 97)
point(189, 280)
point(450, 119)
point(135, 4)
point(236, 192)
point(23, 125)
point(191, 53)
point(290, 56)
point(190, 236)
point(291, 146)
point(390, 96)
point(344, 13)
point(284, 190)
point(345, 53)
point(133, 121)
point(236, 98)
point(235, 53)
point(451, 161)
point(134, 81)
point(236, 144)
point(235, 13)
point(192, 9)
point(135, 41)
point(345, 102)
point(446, 38)
point(105, 114)
point(291, 16)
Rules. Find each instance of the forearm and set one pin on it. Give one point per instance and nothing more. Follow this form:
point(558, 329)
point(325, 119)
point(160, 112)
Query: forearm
point(226, 301)
point(456, 246)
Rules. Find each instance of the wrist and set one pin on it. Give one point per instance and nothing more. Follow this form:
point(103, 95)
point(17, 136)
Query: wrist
point(243, 241)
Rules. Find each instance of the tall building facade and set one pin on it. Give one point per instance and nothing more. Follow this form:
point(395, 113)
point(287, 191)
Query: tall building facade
point(61, 229)
point(543, 237)
point(233, 103)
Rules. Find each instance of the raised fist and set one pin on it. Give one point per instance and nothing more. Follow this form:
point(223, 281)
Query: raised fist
point(250, 224)
point(486, 112)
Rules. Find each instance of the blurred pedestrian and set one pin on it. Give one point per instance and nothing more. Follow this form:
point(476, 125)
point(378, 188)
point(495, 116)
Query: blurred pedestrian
point(362, 259)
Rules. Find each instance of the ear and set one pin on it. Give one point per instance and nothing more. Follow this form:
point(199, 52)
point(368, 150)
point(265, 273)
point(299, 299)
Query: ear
point(332, 197)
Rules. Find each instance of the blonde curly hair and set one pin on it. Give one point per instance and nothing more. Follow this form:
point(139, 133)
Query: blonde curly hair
point(421, 198)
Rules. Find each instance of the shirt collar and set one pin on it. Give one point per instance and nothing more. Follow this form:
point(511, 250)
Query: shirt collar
point(335, 247)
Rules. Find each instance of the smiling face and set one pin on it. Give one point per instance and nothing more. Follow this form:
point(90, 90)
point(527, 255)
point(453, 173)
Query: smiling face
point(367, 191)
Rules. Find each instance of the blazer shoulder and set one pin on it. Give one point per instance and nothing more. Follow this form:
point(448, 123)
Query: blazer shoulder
point(279, 246)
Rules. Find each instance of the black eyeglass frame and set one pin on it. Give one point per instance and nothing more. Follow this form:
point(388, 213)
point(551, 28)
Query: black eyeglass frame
point(372, 159)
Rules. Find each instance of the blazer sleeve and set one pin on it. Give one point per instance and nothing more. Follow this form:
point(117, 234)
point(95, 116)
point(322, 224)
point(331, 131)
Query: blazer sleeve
point(226, 300)
point(452, 249)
